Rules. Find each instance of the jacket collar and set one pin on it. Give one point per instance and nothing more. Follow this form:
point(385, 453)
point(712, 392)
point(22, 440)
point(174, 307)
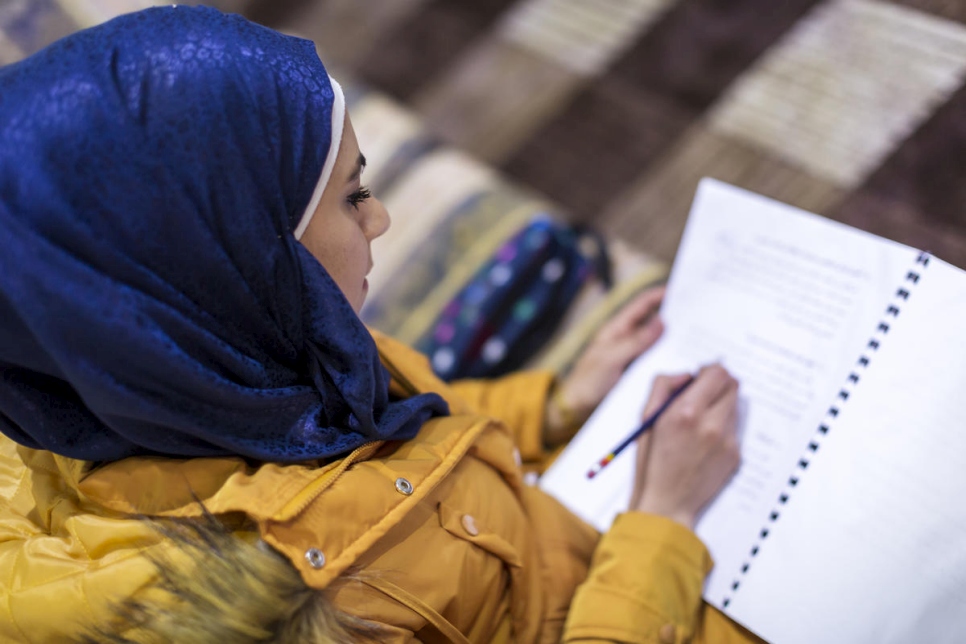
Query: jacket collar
point(297, 506)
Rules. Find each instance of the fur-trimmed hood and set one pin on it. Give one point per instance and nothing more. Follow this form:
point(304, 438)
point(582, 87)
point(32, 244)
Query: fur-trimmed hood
point(218, 585)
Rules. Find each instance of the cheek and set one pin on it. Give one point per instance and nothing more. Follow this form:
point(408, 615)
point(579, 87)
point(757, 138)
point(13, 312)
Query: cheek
point(343, 250)
point(357, 252)
point(353, 259)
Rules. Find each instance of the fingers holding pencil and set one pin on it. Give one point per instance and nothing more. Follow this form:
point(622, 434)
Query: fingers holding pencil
point(692, 450)
point(661, 390)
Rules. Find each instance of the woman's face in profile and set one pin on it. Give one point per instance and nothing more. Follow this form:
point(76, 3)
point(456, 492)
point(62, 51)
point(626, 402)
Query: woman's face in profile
point(345, 222)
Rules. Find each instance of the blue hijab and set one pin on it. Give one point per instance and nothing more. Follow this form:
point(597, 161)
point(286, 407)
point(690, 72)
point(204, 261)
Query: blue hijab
point(153, 297)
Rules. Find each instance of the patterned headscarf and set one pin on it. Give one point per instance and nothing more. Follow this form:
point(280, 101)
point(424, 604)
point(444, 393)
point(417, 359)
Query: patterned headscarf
point(154, 299)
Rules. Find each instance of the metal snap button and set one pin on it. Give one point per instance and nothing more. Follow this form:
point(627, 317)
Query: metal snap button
point(667, 634)
point(469, 524)
point(403, 486)
point(315, 558)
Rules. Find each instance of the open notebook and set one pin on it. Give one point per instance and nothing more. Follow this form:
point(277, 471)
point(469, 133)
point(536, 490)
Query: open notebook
point(846, 521)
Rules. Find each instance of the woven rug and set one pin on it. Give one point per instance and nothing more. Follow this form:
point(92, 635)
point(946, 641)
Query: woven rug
point(855, 109)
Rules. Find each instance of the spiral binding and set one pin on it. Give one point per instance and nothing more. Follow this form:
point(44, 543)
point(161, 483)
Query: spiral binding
point(827, 424)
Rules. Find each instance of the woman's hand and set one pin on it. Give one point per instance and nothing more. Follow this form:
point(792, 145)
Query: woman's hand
point(692, 450)
point(634, 329)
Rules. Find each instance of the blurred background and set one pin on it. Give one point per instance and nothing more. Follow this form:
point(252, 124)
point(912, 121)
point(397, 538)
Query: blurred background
point(482, 119)
point(613, 109)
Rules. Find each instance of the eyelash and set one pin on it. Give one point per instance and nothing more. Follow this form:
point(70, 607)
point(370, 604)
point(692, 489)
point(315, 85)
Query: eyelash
point(359, 196)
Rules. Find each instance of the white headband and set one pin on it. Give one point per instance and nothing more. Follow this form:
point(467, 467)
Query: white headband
point(338, 118)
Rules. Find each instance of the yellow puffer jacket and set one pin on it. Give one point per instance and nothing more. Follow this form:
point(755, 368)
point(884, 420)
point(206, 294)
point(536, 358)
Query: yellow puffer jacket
point(436, 539)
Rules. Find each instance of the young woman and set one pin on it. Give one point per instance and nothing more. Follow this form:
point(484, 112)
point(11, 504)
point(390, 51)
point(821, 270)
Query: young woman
point(203, 441)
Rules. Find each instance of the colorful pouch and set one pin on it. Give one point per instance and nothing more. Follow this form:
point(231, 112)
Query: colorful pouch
point(513, 304)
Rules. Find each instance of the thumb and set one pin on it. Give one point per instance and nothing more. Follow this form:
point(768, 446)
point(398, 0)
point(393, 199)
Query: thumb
point(662, 389)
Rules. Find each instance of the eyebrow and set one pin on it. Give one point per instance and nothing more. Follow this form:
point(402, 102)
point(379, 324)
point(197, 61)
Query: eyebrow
point(360, 164)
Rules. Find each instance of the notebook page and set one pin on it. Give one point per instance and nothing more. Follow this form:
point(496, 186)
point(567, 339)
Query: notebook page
point(871, 545)
point(782, 298)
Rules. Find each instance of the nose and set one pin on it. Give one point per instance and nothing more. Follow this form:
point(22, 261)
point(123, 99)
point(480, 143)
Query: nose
point(379, 219)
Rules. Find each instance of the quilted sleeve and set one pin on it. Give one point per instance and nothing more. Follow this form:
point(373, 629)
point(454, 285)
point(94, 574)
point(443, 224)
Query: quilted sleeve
point(645, 585)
